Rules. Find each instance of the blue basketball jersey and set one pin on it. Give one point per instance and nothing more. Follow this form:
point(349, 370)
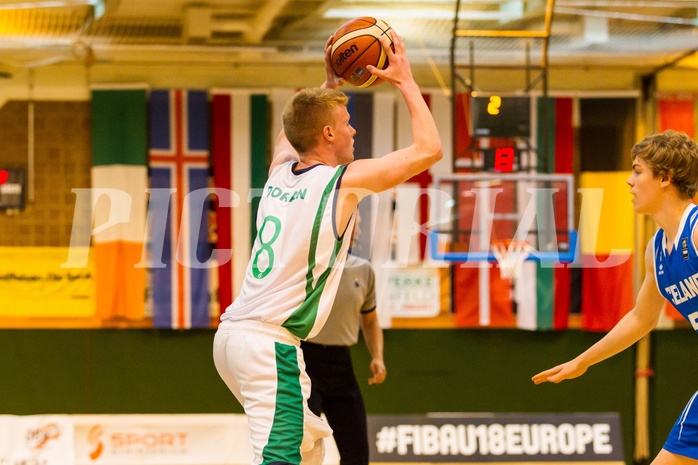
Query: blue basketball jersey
point(677, 273)
point(677, 279)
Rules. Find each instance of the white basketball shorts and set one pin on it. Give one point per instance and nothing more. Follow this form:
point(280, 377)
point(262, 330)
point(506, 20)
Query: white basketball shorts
point(263, 366)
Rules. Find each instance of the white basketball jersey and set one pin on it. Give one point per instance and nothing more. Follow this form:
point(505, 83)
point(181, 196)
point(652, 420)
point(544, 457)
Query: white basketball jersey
point(297, 258)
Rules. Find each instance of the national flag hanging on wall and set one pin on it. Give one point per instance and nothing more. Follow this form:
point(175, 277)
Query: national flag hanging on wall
point(413, 207)
point(407, 208)
point(179, 160)
point(607, 231)
point(374, 114)
point(564, 155)
point(477, 306)
point(678, 114)
point(361, 115)
point(240, 145)
point(543, 292)
point(119, 155)
point(481, 298)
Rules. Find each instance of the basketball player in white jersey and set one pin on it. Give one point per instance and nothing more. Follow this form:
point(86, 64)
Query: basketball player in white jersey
point(304, 224)
point(663, 183)
point(335, 390)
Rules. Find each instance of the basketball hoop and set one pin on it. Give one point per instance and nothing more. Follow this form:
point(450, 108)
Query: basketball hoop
point(510, 256)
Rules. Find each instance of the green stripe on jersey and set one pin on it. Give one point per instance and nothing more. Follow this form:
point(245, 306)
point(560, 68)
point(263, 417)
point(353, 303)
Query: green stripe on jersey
point(286, 435)
point(302, 319)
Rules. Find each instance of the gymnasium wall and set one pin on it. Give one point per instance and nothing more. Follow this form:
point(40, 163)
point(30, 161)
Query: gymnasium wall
point(63, 157)
point(163, 371)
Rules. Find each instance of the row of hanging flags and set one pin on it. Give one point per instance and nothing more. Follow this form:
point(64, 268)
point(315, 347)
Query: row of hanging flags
point(154, 150)
point(160, 147)
point(156, 212)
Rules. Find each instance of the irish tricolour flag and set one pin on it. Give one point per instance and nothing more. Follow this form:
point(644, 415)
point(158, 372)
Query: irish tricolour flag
point(119, 155)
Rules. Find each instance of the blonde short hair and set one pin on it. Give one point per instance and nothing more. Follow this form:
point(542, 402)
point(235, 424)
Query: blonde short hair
point(307, 113)
point(671, 153)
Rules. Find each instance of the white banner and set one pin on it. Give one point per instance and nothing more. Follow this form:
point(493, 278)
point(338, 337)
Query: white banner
point(36, 440)
point(162, 439)
point(206, 439)
point(414, 292)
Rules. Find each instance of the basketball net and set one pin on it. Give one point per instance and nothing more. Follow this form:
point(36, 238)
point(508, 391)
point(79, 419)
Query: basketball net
point(510, 256)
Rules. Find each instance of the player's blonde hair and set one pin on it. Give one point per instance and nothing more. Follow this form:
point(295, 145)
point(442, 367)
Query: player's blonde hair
point(671, 153)
point(307, 113)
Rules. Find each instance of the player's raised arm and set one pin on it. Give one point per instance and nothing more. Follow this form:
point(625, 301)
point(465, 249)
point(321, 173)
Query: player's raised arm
point(379, 174)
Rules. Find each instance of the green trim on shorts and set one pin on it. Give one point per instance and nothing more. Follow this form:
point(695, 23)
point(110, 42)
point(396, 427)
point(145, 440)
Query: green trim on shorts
point(286, 435)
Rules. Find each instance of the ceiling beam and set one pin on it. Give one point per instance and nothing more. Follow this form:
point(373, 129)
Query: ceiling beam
point(264, 20)
point(627, 16)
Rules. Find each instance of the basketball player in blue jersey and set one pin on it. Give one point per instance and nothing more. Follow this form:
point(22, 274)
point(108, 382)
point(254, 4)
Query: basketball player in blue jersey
point(304, 225)
point(663, 183)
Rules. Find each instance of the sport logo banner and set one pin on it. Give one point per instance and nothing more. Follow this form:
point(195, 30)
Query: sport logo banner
point(161, 439)
point(491, 437)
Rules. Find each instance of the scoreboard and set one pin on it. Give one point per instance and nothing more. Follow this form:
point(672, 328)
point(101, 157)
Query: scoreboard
point(507, 121)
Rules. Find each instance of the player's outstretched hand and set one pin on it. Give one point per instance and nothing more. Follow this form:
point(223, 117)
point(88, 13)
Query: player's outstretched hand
point(398, 70)
point(332, 81)
point(569, 370)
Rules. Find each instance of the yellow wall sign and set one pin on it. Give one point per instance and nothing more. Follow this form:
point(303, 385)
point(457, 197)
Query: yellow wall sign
point(609, 219)
point(33, 284)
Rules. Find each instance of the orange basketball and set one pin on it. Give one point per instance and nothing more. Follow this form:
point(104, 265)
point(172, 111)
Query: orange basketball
point(355, 46)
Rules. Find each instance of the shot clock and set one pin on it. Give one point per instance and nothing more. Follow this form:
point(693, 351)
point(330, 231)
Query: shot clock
point(497, 116)
point(505, 121)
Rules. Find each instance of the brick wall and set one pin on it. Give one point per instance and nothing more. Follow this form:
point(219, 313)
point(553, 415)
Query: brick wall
point(63, 158)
